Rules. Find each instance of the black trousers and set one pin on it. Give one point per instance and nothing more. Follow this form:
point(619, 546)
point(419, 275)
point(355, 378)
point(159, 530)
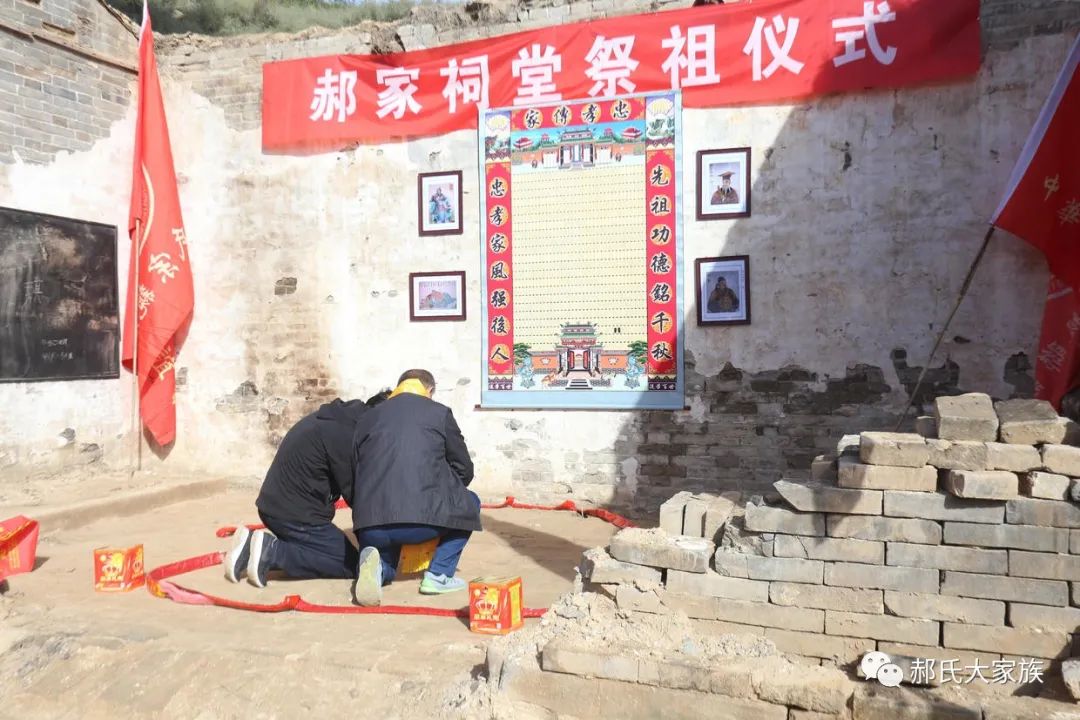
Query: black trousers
point(311, 551)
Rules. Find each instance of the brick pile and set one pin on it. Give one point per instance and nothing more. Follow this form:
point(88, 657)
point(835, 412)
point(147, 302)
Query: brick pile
point(960, 542)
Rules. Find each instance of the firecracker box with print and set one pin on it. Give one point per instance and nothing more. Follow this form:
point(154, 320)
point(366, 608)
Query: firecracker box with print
point(118, 569)
point(18, 545)
point(416, 558)
point(495, 605)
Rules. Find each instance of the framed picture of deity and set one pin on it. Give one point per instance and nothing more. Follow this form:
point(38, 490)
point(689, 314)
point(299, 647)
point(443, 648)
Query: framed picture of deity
point(437, 296)
point(722, 288)
point(723, 184)
point(438, 210)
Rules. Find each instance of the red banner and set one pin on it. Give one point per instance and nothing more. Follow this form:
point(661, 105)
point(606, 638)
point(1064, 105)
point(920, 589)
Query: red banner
point(660, 268)
point(160, 294)
point(765, 51)
point(1057, 366)
point(500, 282)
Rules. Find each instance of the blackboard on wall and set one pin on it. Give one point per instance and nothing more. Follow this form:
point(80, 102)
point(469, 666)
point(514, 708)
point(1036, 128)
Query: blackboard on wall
point(59, 305)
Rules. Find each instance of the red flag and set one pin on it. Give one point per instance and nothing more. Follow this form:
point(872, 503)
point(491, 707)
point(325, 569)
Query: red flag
point(160, 295)
point(1042, 206)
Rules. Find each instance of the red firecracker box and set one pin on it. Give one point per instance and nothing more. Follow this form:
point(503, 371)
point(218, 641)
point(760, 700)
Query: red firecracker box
point(18, 545)
point(118, 569)
point(495, 605)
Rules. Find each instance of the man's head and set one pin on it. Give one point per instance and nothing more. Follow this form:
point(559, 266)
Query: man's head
point(426, 378)
point(725, 179)
point(721, 283)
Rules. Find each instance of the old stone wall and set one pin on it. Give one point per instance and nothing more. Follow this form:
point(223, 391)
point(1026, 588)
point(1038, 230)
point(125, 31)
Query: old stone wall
point(867, 211)
point(922, 560)
point(66, 68)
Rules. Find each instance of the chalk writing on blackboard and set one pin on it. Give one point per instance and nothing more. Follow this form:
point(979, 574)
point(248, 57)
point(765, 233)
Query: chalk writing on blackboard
point(59, 310)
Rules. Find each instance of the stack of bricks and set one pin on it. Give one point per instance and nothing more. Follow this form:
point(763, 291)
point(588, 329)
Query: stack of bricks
point(960, 542)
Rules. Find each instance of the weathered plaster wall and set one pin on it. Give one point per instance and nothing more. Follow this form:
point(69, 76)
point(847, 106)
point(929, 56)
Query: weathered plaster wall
point(867, 211)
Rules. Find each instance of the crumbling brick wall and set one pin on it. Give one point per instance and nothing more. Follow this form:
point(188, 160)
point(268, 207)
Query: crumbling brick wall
point(66, 68)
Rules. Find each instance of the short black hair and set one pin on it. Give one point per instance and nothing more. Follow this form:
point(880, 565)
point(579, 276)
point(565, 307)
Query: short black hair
point(377, 398)
point(426, 378)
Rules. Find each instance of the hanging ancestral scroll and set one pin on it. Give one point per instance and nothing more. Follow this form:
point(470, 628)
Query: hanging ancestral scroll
point(583, 254)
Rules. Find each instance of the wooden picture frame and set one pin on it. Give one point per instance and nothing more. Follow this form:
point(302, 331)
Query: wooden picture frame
point(723, 184)
point(439, 203)
point(437, 296)
point(727, 303)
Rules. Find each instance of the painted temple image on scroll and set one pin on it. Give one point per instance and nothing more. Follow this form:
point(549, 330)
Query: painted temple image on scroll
point(583, 301)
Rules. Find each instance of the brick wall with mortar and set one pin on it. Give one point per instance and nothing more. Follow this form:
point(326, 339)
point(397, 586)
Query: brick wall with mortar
point(301, 296)
point(66, 68)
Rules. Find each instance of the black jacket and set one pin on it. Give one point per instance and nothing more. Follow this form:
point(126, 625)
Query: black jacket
point(412, 466)
point(313, 465)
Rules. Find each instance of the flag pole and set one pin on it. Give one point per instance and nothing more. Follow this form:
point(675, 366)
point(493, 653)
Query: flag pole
point(941, 335)
point(136, 423)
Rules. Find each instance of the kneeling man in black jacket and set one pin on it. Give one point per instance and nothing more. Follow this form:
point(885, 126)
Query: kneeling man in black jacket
point(311, 470)
point(412, 470)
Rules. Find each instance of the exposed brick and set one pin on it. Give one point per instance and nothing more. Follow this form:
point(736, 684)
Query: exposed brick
point(671, 512)
point(842, 549)
point(599, 567)
point(756, 567)
point(882, 528)
point(982, 484)
point(1049, 566)
point(824, 597)
point(821, 498)
point(841, 650)
point(1042, 617)
point(1029, 422)
point(715, 585)
point(881, 577)
point(943, 607)
point(771, 616)
point(881, 627)
point(1061, 459)
point(1008, 641)
point(1029, 537)
point(944, 557)
point(779, 520)
point(966, 417)
point(641, 547)
point(996, 587)
point(1044, 485)
point(965, 455)
point(852, 474)
point(884, 448)
point(1044, 513)
point(1015, 458)
point(938, 506)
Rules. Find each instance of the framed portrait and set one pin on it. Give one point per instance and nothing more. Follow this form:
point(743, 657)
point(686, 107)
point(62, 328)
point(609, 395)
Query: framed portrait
point(723, 290)
point(723, 184)
point(437, 296)
point(438, 209)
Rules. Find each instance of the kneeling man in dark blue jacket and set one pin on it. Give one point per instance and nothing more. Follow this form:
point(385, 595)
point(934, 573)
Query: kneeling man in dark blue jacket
point(311, 470)
point(412, 470)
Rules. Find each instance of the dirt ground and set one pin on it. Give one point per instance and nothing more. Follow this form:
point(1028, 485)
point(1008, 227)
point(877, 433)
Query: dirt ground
point(68, 652)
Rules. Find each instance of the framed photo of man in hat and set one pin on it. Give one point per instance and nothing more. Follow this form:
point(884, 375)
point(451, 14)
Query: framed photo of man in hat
point(723, 184)
point(723, 290)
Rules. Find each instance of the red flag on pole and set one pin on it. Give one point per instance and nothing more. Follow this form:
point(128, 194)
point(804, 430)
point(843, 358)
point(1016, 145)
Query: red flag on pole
point(160, 296)
point(1042, 206)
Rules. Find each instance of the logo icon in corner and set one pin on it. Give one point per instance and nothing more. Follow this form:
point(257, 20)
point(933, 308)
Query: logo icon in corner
point(879, 666)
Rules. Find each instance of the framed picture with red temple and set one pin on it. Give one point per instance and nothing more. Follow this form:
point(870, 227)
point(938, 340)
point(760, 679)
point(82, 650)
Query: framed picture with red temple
point(582, 254)
point(435, 296)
